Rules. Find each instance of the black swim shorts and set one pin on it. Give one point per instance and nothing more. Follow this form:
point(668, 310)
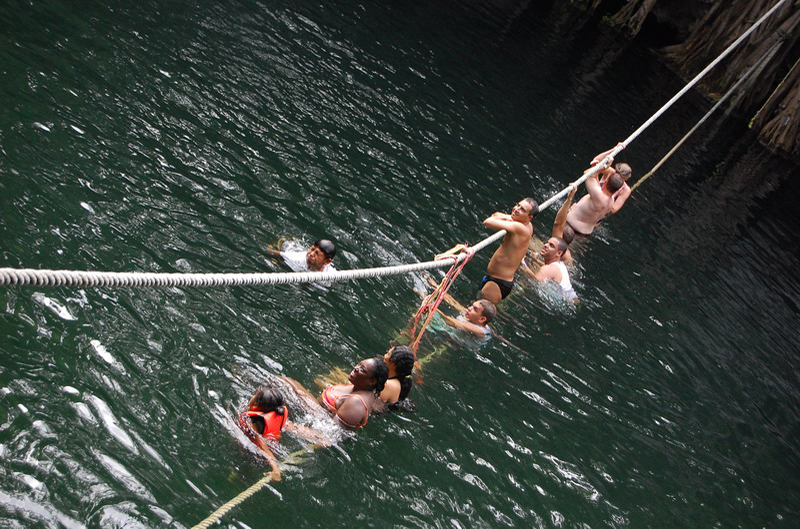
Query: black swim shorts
point(505, 286)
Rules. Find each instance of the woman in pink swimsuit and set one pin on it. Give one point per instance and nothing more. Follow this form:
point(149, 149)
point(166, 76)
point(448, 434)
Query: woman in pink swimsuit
point(351, 404)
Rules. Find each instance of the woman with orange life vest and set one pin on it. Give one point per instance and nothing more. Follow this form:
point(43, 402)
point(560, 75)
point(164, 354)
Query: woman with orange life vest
point(265, 418)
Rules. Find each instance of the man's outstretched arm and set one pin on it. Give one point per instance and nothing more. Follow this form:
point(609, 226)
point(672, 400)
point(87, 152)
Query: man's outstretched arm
point(561, 216)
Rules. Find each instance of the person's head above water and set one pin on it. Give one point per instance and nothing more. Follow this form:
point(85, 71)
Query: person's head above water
point(623, 170)
point(320, 254)
point(267, 399)
point(553, 249)
point(481, 312)
point(614, 183)
point(370, 374)
point(401, 359)
point(525, 210)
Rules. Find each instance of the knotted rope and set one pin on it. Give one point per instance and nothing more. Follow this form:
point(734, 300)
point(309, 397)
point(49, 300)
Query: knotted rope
point(434, 299)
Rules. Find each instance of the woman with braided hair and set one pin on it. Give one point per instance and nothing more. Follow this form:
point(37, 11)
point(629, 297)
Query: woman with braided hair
point(400, 362)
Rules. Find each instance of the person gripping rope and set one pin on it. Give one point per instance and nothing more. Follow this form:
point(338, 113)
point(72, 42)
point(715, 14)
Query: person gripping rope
point(499, 279)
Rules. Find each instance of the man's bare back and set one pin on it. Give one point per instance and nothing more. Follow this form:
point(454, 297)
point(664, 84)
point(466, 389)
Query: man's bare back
point(589, 210)
point(598, 201)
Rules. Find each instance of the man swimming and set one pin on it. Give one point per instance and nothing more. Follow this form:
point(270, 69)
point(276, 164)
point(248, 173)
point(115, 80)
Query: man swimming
point(474, 319)
point(499, 278)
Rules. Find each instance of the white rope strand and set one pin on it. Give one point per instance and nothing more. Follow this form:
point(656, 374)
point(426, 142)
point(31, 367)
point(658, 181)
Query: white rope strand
point(78, 278)
point(28, 276)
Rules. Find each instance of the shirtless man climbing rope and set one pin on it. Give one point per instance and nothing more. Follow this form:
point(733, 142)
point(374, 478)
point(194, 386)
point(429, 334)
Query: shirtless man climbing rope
point(499, 278)
point(595, 204)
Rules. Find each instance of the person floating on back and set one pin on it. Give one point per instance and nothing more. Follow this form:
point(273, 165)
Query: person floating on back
point(499, 278)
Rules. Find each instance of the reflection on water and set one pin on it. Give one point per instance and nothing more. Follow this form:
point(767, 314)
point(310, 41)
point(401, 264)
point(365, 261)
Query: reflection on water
point(170, 139)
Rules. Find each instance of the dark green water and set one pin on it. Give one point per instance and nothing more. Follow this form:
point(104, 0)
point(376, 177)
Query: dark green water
point(165, 136)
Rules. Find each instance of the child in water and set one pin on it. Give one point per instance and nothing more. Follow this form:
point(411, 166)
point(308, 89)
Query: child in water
point(265, 418)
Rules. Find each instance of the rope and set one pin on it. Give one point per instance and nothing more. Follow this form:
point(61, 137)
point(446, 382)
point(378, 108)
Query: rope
point(663, 109)
point(219, 513)
point(434, 299)
point(758, 65)
point(77, 278)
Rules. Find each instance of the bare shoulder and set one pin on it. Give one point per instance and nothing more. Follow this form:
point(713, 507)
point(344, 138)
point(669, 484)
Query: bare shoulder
point(519, 228)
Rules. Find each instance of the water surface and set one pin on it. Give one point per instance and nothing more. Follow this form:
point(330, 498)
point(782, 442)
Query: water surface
point(171, 137)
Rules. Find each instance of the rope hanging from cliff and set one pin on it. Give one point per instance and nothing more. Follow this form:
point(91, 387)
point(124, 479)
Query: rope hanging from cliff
point(620, 146)
point(756, 66)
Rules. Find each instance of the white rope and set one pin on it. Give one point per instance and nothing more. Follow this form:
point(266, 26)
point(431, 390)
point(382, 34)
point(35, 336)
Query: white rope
point(74, 278)
point(52, 278)
point(666, 105)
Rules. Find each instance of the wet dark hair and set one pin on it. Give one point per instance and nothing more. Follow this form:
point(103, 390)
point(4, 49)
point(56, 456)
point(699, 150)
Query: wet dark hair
point(403, 359)
point(534, 206)
point(327, 247)
point(615, 183)
point(489, 310)
point(269, 399)
point(568, 234)
point(562, 244)
point(381, 374)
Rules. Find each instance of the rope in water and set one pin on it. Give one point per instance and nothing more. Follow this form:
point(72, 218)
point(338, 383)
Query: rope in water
point(219, 513)
point(689, 85)
point(434, 299)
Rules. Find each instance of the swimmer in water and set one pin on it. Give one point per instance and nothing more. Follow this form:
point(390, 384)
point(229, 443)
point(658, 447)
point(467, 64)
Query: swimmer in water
point(400, 363)
point(351, 404)
point(499, 278)
point(474, 319)
point(318, 258)
point(554, 268)
point(265, 418)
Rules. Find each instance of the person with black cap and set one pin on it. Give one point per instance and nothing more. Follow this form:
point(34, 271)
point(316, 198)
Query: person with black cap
point(316, 259)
